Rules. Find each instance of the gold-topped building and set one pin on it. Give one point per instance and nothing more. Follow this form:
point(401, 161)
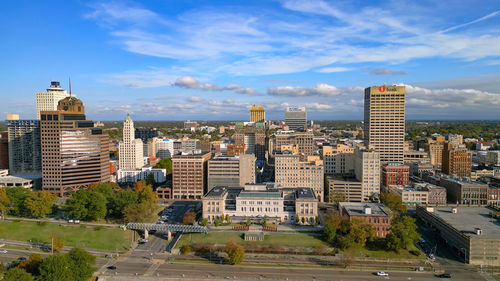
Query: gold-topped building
point(385, 122)
point(257, 114)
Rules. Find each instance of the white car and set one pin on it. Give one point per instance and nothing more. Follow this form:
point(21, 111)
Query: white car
point(4, 251)
point(382, 273)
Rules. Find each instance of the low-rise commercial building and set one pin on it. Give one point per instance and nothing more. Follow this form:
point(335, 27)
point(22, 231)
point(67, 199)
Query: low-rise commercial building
point(18, 181)
point(373, 213)
point(395, 174)
point(465, 191)
point(470, 232)
point(231, 171)
point(410, 195)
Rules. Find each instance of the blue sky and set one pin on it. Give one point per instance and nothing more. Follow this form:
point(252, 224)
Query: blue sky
point(211, 60)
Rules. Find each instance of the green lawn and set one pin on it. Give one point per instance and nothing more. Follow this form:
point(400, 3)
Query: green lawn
point(300, 240)
point(364, 252)
point(75, 236)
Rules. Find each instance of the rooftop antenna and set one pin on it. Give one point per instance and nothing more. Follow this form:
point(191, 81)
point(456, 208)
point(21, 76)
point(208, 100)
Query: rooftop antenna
point(70, 86)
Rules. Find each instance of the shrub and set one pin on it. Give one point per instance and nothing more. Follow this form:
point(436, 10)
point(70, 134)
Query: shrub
point(185, 249)
point(415, 253)
point(234, 252)
point(99, 227)
point(216, 222)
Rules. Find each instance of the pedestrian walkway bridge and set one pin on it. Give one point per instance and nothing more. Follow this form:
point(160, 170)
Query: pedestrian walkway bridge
point(167, 227)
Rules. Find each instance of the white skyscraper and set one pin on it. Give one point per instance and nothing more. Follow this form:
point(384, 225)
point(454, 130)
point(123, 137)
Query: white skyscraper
point(130, 150)
point(47, 101)
point(367, 171)
point(296, 117)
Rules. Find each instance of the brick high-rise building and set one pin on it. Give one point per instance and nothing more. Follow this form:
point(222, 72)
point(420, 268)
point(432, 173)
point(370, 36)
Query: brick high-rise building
point(257, 114)
point(253, 137)
point(457, 160)
point(395, 174)
point(74, 152)
point(231, 171)
point(189, 175)
point(24, 147)
point(290, 171)
point(48, 101)
point(385, 122)
point(130, 149)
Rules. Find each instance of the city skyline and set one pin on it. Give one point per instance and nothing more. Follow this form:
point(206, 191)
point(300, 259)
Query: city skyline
point(158, 63)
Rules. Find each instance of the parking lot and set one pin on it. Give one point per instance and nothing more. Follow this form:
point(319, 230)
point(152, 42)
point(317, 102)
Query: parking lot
point(175, 212)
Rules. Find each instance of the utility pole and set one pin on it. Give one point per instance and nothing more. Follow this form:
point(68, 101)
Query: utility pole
point(52, 245)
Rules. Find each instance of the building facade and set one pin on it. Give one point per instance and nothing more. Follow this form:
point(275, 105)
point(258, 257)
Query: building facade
point(75, 154)
point(296, 117)
point(373, 213)
point(130, 149)
point(4, 150)
point(252, 136)
point(257, 114)
point(290, 171)
point(189, 176)
point(231, 171)
point(395, 174)
point(367, 171)
point(457, 160)
point(343, 189)
point(24, 147)
point(135, 175)
point(48, 101)
point(465, 192)
point(384, 122)
point(338, 160)
point(303, 140)
point(164, 148)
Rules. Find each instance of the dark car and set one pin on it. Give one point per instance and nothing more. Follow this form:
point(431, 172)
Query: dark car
point(112, 267)
point(22, 258)
point(444, 275)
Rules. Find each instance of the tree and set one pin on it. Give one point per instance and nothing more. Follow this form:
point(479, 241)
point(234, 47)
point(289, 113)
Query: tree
point(264, 220)
point(235, 253)
point(55, 267)
point(361, 232)
point(216, 222)
point(121, 200)
point(57, 242)
point(82, 264)
point(17, 274)
point(138, 186)
point(17, 195)
point(227, 218)
point(143, 212)
point(393, 202)
point(31, 264)
point(150, 179)
point(204, 221)
point(249, 222)
point(87, 205)
point(303, 220)
point(185, 249)
point(165, 163)
point(329, 233)
point(39, 203)
point(189, 218)
point(336, 197)
point(4, 202)
point(403, 233)
point(147, 195)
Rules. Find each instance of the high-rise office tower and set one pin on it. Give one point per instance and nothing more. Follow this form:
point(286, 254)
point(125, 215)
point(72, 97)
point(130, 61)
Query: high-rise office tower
point(367, 171)
point(47, 101)
point(189, 175)
point(24, 146)
point(257, 114)
point(252, 136)
point(130, 150)
point(457, 160)
point(231, 171)
point(304, 141)
point(296, 117)
point(385, 122)
point(74, 152)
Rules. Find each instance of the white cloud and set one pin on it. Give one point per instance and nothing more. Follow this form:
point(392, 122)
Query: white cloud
point(258, 42)
point(142, 78)
point(318, 90)
point(195, 99)
point(333, 69)
point(189, 82)
point(318, 106)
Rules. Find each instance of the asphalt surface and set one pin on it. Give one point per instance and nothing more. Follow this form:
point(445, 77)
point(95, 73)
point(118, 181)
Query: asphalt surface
point(179, 208)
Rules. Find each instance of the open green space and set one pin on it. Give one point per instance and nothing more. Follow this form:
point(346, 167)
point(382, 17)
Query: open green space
point(380, 253)
point(299, 240)
point(74, 236)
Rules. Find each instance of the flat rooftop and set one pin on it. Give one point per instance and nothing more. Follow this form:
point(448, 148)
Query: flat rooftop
point(358, 209)
point(468, 218)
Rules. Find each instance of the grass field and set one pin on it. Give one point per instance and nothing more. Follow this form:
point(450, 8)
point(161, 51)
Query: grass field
point(300, 240)
point(75, 236)
point(370, 253)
